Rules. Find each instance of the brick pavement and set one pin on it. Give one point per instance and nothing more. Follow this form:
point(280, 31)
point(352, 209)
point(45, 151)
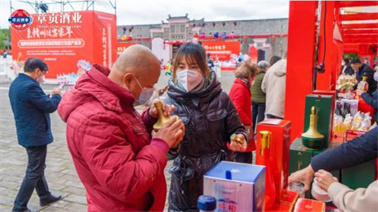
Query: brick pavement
point(60, 172)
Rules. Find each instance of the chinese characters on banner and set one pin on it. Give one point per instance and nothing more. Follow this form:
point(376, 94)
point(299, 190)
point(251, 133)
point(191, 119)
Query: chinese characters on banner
point(225, 51)
point(122, 46)
point(62, 39)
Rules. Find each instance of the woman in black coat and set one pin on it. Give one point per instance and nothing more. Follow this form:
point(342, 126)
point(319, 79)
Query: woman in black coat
point(210, 119)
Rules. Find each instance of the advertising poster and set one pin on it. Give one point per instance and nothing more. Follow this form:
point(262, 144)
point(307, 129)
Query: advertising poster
point(67, 41)
point(122, 46)
point(226, 51)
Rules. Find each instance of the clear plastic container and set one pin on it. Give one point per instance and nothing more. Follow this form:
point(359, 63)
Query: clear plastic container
point(298, 187)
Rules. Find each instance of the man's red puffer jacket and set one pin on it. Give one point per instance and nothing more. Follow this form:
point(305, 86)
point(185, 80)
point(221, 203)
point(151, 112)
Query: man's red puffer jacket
point(110, 143)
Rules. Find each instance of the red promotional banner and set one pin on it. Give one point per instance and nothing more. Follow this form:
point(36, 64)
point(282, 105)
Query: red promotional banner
point(67, 41)
point(122, 46)
point(226, 51)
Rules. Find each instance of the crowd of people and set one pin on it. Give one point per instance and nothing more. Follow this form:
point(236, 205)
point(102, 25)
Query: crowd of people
point(118, 157)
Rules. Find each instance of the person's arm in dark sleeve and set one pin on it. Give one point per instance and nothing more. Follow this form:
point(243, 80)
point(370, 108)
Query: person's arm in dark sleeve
point(356, 151)
point(42, 101)
point(371, 100)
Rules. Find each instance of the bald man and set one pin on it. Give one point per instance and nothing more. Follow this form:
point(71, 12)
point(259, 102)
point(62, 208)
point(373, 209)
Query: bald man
point(120, 164)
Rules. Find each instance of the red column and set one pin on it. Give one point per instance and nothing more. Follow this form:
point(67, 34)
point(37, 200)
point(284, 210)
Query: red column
point(324, 80)
point(300, 61)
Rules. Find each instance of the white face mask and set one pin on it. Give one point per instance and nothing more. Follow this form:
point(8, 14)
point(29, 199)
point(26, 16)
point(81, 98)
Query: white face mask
point(41, 79)
point(376, 76)
point(144, 96)
point(189, 79)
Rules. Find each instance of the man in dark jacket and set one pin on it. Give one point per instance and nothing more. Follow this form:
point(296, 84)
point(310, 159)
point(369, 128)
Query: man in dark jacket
point(372, 100)
point(31, 108)
point(210, 62)
point(364, 70)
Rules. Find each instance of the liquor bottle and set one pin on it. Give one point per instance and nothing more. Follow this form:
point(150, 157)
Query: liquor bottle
point(270, 188)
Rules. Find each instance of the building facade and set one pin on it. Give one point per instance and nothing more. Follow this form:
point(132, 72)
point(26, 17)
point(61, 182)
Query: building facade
point(268, 36)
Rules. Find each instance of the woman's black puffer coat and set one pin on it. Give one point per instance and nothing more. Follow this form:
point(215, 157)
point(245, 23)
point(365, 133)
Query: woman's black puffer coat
point(210, 119)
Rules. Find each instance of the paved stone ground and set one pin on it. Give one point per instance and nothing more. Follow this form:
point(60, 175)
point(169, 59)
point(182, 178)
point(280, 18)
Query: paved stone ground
point(60, 172)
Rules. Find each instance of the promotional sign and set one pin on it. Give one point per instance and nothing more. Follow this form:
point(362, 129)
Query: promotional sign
point(66, 40)
point(122, 46)
point(226, 51)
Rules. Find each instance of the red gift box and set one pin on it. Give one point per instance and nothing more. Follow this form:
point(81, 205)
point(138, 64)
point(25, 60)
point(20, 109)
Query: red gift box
point(278, 162)
point(281, 207)
point(351, 134)
point(289, 197)
point(309, 205)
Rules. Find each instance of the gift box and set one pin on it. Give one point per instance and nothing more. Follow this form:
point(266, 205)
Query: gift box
point(329, 93)
point(281, 207)
point(279, 153)
point(324, 105)
point(289, 197)
point(353, 105)
point(309, 205)
point(236, 186)
point(300, 158)
point(351, 134)
point(359, 176)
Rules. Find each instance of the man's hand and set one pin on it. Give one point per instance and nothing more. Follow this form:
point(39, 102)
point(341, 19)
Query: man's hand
point(167, 110)
point(56, 90)
point(172, 132)
point(325, 179)
point(304, 176)
point(239, 144)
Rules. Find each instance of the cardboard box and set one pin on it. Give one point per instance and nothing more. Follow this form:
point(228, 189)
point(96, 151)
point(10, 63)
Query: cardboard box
point(279, 152)
point(324, 105)
point(309, 205)
point(236, 186)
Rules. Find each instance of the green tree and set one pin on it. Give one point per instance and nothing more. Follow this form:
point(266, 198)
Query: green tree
point(4, 37)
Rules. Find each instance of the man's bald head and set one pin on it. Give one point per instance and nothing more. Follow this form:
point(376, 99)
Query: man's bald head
point(138, 60)
point(136, 68)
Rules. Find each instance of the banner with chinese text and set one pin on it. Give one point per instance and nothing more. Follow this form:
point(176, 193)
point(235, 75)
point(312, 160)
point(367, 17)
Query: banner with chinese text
point(65, 40)
point(122, 46)
point(226, 51)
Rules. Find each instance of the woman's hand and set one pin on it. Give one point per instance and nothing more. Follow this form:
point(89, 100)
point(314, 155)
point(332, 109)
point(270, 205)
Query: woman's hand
point(325, 179)
point(238, 144)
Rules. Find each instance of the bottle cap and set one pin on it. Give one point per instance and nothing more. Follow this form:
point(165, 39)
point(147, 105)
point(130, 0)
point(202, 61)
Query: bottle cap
point(206, 203)
point(228, 175)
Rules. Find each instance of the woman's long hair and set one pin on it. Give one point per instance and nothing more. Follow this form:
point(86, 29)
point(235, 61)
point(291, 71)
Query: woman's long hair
point(193, 54)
